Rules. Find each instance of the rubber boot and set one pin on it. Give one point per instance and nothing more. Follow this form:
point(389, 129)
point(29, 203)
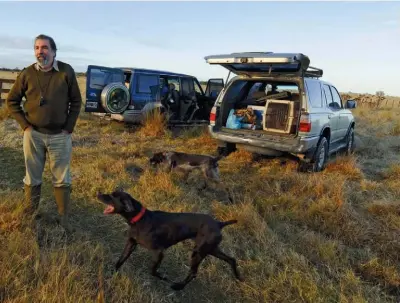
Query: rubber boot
point(62, 196)
point(32, 198)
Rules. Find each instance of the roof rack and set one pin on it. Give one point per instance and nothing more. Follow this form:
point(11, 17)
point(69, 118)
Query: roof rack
point(313, 72)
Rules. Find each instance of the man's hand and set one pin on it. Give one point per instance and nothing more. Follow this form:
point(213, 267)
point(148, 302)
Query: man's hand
point(28, 128)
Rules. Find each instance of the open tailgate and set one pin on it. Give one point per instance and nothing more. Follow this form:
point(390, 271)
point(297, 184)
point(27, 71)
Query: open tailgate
point(262, 63)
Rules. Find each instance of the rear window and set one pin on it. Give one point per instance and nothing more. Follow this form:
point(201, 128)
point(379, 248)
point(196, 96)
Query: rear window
point(100, 78)
point(145, 82)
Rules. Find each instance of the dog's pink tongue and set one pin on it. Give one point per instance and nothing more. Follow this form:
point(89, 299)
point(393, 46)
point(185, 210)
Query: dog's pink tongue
point(109, 209)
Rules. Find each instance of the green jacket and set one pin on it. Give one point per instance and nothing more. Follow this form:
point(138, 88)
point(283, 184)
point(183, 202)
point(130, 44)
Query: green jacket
point(53, 99)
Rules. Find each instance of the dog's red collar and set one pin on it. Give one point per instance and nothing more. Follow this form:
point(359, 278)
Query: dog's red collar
point(138, 216)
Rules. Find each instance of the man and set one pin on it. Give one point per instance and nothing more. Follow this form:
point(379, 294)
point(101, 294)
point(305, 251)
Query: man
point(172, 99)
point(48, 118)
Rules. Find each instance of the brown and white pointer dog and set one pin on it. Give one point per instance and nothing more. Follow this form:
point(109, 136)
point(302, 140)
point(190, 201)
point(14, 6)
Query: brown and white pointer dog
point(186, 162)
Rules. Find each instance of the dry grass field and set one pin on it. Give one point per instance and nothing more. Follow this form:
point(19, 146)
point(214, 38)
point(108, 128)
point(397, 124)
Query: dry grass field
point(327, 237)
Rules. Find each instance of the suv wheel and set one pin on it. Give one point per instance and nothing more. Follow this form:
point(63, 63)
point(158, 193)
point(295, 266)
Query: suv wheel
point(350, 142)
point(318, 162)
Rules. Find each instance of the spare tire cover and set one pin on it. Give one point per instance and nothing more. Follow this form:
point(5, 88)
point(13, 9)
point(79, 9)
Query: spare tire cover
point(115, 98)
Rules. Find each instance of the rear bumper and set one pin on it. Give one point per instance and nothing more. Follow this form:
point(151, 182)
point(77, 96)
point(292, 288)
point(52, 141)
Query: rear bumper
point(294, 145)
point(129, 116)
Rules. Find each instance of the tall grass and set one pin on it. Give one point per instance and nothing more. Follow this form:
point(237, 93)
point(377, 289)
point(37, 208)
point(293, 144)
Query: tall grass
point(326, 237)
point(154, 124)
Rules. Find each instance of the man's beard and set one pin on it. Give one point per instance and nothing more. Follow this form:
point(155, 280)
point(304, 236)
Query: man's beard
point(42, 61)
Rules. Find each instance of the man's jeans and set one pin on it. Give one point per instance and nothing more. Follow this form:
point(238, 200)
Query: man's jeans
point(59, 149)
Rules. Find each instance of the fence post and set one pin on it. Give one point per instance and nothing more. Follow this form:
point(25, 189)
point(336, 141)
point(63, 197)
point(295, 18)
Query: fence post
point(1, 91)
point(4, 90)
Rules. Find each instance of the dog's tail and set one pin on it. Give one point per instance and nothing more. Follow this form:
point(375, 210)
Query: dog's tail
point(223, 224)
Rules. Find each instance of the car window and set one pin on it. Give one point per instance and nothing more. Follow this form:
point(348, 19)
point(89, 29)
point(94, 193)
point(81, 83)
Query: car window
point(145, 82)
point(163, 82)
point(257, 87)
point(234, 90)
point(314, 93)
point(262, 89)
point(175, 82)
point(287, 87)
point(197, 88)
point(100, 78)
point(337, 102)
point(328, 95)
point(187, 86)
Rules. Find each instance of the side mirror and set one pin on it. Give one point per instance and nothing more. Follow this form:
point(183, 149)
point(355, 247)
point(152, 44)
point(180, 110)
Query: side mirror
point(351, 104)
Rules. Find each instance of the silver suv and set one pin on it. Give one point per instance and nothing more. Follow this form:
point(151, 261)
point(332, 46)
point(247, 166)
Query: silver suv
point(276, 105)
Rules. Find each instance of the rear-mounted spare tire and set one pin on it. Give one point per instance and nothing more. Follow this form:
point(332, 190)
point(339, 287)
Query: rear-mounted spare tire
point(115, 98)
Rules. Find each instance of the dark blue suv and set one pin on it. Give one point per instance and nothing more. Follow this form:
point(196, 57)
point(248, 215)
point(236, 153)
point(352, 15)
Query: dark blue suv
point(130, 94)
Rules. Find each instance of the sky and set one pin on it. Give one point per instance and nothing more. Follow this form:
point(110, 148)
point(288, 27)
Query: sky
point(357, 44)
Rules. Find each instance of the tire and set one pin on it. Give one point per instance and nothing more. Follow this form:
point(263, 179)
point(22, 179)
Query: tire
point(115, 98)
point(319, 160)
point(350, 143)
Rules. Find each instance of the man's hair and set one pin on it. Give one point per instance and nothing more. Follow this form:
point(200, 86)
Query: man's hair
point(50, 39)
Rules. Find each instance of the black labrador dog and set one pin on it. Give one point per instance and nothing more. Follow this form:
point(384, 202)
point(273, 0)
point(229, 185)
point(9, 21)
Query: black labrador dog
point(158, 230)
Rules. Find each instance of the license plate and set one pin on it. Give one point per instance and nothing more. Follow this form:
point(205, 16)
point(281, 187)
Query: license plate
point(91, 104)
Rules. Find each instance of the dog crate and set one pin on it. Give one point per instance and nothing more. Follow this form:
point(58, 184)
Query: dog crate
point(278, 116)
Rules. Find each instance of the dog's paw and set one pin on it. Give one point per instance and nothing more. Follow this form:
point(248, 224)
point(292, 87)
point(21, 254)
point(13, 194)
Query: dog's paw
point(177, 286)
point(160, 276)
point(114, 271)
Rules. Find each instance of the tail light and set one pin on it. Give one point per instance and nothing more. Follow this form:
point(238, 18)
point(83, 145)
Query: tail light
point(305, 123)
point(213, 115)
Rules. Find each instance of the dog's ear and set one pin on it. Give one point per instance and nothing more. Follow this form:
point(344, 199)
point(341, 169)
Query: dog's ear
point(119, 189)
